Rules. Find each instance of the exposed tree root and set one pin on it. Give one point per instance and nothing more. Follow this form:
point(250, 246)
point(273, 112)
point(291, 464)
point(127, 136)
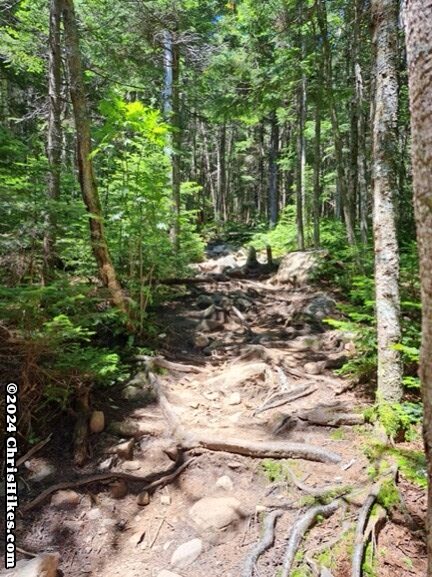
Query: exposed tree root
point(279, 399)
point(153, 480)
point(265, 543)
point(362, 536)
point(317, 570)
point(261, 449)
point(215, 278)
point(163, 363)
point(314, 491)
point(301, 527)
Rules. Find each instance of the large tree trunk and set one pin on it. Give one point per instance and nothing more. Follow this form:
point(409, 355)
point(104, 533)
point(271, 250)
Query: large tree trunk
point(301, 162)
point(87, 179)
point(54, 141)
point(384, 153)
point(273, 190)
point(419, 48)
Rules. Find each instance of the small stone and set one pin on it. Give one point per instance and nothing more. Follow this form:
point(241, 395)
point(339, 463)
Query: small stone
point(165, 500)
point(201, 341)
point(194, 405)
point(204, 301)
point(119, 489)
point(234, 399)
point(131, 465)
point(143, 499)
point(261, 509)
point(97, 422)
point(186, 554)
point(65, 500)
point(314, 368)
point(215, 513)
point(225, 483)
point(44, 565)
point(211, 396)
point(125, 450)
point(94, 514)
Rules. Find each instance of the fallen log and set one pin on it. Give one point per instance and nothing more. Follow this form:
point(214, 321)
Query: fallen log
point(265, 543)
point(301, 527)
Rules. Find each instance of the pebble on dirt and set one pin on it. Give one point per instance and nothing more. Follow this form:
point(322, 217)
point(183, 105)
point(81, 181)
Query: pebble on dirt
point(97, 422)
point(186, 554)
point(44, 565)
point(65, 499)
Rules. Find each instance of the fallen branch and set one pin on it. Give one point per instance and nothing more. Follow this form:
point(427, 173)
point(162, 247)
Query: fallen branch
point(261, 449)
point(33, 451)
point(265, 543)
point(300, 528)
point(153, 479)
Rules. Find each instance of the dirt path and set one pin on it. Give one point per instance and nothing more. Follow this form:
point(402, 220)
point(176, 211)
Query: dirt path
point(250, 368)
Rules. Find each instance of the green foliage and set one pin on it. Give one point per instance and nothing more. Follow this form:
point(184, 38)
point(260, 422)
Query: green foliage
point(395, 418)
point(411, 463)
point(389, 496)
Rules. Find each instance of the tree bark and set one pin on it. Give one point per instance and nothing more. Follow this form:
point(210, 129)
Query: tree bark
point(317, 173)
point(301, 161)
point(273, 190)
point(54, 140)
point(419, 49)
point(384, 153)
point(342, 189)
point(87, 179)
point(171, 99)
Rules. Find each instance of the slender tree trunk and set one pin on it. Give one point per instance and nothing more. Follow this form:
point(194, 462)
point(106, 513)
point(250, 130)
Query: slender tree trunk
point(273, 190)
point(221, 173)
point(385, 40)
point(342, 188)
point(317, 174)
point(419, 48)
point(4, 98)
point(301, 164)
point(54, 142)
point(171, 100)
point(87, 179)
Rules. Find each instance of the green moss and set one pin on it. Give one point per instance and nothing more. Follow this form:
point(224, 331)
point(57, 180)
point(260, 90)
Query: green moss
point(369, 563)
point(412, 464)
point(275, 471)
point(388, 496)
point(337, 435)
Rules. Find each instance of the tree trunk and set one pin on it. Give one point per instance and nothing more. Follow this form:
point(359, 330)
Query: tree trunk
point(384, 153)
point(419, 48)
point(171, 100)
point(317, 174)
point(54, 142)
point(87, 179)
point(221, 173)
point(273, 190)
point(362, 188)
point(301, 162)
point(342, 189)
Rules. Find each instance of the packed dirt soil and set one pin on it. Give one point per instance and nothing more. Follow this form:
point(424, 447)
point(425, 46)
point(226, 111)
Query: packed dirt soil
point(235, 451)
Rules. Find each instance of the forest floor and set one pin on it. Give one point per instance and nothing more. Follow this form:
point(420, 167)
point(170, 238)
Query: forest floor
point(244, 368)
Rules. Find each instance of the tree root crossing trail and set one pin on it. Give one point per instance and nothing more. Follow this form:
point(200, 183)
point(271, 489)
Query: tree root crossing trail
point(231, 451)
